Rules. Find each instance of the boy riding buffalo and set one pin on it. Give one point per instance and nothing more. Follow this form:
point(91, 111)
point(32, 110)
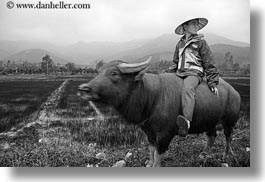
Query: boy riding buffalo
point(193, 60)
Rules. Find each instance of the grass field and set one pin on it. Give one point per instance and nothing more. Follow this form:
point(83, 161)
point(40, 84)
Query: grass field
point(74, 135)
point(20, 99)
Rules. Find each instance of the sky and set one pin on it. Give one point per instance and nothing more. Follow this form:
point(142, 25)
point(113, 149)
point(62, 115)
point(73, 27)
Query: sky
point(121, 20)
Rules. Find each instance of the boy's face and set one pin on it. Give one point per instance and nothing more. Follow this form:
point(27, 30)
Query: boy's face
point(192, 27)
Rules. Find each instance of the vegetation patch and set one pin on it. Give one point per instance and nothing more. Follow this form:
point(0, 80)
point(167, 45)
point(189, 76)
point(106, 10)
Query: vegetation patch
point(73, 135)
point(20, 99)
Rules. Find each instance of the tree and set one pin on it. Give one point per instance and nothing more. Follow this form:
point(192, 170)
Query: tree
point(228, 61)
point(236, 67)
point(70, 67)
point(246, 69)
point(8, 64)
point(46, 64)
point(1, 64)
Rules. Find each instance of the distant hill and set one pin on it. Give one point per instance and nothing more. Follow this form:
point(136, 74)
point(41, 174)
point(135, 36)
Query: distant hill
point(240, 55)
point(164, 43)
point(7, 48)
point(214, 39)
point(33, 56)
point(84, 53)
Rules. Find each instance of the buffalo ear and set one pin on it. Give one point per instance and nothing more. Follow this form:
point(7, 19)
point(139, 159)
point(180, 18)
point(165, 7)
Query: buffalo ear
point(140, 75)
point(100, 63)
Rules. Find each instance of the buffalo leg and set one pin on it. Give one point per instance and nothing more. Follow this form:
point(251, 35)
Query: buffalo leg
point(151, 156)
point(151, 136)
point(211, 135)
point(162, 145)
point(228, 149)
point(157, 159)
point(228, 135)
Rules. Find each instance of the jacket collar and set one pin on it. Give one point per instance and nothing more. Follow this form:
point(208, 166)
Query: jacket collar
point(194, 36)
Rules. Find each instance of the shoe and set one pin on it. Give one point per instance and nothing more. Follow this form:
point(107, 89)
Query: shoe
point(183, 125)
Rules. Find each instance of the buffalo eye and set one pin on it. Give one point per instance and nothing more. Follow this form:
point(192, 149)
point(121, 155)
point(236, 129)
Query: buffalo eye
point(114, 73)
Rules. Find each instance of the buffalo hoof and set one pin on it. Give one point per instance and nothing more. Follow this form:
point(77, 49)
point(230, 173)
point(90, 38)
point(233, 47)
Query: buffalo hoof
point(149, 163)
point(153, 164)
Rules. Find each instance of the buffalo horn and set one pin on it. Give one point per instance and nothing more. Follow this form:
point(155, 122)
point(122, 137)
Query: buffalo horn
point(134, 67)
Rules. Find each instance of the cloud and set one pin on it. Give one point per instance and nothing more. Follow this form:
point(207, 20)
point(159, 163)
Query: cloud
point(122, 20)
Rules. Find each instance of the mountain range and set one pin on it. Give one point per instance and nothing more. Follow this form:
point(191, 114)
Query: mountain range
point(83, 53)
point(31, 55)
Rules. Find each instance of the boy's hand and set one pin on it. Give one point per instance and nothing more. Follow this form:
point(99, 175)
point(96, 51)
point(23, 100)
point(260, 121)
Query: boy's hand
point(215, 90)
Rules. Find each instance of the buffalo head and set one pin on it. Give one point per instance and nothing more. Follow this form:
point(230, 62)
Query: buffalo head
point(114, 82)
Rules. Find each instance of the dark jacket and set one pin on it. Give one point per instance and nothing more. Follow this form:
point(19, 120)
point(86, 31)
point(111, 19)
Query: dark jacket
point(194, 57)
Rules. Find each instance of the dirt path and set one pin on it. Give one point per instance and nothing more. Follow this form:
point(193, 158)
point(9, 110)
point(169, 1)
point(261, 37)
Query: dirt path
point(41, 116)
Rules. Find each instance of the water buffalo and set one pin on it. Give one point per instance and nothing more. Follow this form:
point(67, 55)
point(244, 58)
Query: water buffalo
point(153, 102)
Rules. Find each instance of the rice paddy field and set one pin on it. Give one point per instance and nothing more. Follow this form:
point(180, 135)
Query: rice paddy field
point(20, 99)
point(43, 123)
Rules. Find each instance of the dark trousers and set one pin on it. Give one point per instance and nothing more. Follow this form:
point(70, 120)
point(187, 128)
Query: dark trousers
point(188, 96)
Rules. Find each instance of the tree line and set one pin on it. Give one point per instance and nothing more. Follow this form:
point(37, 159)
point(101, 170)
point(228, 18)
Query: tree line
point(46, 66)
point(227, 66)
